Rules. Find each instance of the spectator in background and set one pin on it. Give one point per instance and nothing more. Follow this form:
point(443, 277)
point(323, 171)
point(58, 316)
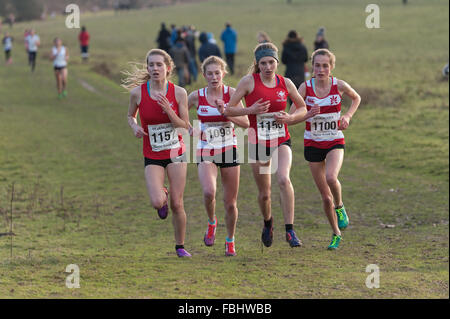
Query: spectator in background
point(180, 56)
point(11, 20)
point(207, 48)
point(262, 37)
point(84, 37)
point(211, 38)
point(163, 39)
point(294, 55)
point(33, 42)
point(173, 34)
point(7, 46)
point(229, 39)
point(190, 44)
point(320, 42)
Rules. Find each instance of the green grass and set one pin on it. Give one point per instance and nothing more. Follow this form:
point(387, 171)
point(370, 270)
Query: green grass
point(395, 170)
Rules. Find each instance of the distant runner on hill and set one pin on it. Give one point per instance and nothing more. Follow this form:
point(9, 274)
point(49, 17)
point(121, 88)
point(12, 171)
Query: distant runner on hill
point(60, 55)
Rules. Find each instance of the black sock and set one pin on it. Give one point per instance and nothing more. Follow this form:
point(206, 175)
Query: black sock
point(289, 227)
point(179, 246)
point(268, 223)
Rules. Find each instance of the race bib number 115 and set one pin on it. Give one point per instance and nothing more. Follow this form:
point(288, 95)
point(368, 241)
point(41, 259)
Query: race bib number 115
point(163, 137)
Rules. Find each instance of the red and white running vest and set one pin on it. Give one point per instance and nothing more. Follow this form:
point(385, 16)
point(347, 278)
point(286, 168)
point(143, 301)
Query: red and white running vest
point(217, 131)
point(322, 130)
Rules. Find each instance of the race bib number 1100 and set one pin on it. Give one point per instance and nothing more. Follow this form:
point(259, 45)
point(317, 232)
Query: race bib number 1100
point(325, 126)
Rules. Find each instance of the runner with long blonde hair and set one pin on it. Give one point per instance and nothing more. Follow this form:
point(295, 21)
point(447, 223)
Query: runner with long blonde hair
point(162, 108)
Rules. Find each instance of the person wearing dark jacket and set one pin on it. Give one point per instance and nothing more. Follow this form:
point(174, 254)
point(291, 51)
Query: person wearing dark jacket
point(207, 48)
point(190, 44)
point(294, 55)
point(180, 56)
point(163, 38)
point(320, 42)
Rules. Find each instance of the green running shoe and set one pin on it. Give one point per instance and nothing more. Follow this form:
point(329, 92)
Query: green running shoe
point(335, 240)
point(342, 217)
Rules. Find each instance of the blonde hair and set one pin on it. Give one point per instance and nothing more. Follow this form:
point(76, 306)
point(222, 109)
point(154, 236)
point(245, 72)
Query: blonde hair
point(139, 75)
point(326, 52)
point(262, 46)
point(214, 60)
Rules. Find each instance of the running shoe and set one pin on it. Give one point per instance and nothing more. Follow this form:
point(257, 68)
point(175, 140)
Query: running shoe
point(292, 239)
point(267, 234)
point(335, 240)
point(342, 217)
point(164, 211)
point(64, 93)
point(210, 234)
point(181, 252)
point(229, 249)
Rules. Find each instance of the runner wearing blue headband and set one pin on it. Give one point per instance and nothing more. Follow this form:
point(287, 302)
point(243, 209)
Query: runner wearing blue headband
point(266, 95)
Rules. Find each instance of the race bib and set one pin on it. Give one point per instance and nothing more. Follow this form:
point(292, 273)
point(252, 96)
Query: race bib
point(268, 128)
point(218, 134)
point(163, 137)
point(325, 126)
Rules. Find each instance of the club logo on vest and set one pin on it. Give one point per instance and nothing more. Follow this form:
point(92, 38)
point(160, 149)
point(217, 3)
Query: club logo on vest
point(203, 110)
point(333, 100)
point(281, 96)
point(310, 100)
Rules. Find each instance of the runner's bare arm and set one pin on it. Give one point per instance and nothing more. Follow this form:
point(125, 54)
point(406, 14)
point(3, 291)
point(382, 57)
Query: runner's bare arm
point(298, 112)
point(181, 121)
point(241, 121)
point(193, 100)
point(244, 87)
point(345, 88)
point(135, 99)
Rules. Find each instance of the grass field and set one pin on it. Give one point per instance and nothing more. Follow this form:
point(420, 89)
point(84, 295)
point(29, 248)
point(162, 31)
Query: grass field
point(77, 170)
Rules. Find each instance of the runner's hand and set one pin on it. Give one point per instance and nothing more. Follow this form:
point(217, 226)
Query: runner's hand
point(313, 111)
point(194, 131)
point(163, 102)
point(260, 107)
point(139, 131)
point(220, 105)
point(283, 118)
point(344, 122)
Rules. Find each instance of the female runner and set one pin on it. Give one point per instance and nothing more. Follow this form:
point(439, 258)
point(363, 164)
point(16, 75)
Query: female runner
point(217, 149)
point(162, 109)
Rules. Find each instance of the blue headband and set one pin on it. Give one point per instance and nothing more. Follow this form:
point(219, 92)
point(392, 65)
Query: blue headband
point(266, 52)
